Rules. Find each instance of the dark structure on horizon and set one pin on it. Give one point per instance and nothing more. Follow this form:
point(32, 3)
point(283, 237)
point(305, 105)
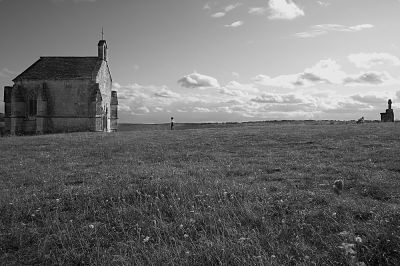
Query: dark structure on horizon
point(389, 115)
point(62, 94)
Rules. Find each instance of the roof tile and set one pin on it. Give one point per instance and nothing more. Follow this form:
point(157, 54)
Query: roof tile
point(50, 68)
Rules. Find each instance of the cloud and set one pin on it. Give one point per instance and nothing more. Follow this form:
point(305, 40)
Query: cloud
point(235, 88)
point(359, 27)
point(142, 100)
point(235, 24)
point(207, 6)
point(257, 10)
point(225, 10)
point(135, 92)
point(236, 101)
point(166, 93)
point(218, 15)
point(6, 73)
point(235, 75)
point(232, 7)
point(324, 4)
point(371, 78)
point(321, 29)
point(368, 60)
point(277, 98)
point(284, 9)
point(370, 99)
point(283, 81)
point(309, 34)
point(196, 80)
point(308, 105)
point(326, 71)
point(201, 110)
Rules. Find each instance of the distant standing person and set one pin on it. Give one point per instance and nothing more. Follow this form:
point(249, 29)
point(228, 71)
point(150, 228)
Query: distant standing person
point(172, 123)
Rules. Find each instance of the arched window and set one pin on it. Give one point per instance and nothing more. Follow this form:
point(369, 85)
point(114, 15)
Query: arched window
point(32, 105)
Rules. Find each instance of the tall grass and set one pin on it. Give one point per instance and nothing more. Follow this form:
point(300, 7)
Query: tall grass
point(254, 195)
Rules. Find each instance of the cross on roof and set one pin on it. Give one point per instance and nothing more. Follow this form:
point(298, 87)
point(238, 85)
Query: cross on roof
point(102, 33)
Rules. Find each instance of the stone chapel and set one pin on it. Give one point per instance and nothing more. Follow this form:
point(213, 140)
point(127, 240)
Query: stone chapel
point(62, 94)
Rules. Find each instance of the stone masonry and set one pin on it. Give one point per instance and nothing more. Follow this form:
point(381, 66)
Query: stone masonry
point(388, 116)
point(62, 94)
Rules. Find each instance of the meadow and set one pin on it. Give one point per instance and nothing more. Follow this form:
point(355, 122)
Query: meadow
point(255, 194)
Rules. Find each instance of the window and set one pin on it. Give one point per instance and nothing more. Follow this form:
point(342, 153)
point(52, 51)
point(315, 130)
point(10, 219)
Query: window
point(32, 107)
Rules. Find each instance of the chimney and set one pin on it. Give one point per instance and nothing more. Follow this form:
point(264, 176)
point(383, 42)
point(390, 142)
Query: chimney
point(102, 50)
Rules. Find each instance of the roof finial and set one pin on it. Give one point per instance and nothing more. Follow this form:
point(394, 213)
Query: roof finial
point(102, 34)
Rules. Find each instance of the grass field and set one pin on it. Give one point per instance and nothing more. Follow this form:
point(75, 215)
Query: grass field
point(239, 195)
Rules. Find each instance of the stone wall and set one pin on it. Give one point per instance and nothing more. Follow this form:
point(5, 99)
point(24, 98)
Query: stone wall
point(114, 111)
point(104, 80)
point(63, 105)
point(7, 109)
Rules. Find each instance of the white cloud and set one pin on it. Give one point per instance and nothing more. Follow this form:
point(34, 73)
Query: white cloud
point(142, 110)
point(201, 110)
point(207, 6)
point(282, 81)
point(310, 34)
point(235, 24)
point(166, 93)
point(257, 10)
point(225, 10)
point(234, 88)
point(370, 78)
point(338, 27)
point(322, 29)
point(235, 75)
point(235, 93)
point(116, 85)
point(235, 101)
point(325, 71)
point(370, 99)
point(278, 98)
point(284, 9)
point(328, 72)
point(359, 27)
point(6, 73)
point(368, 60)
point(218, 15)
point(232, 7)
point(308, 105)
point(136, 99)
point(324, 4)
point(196, 80)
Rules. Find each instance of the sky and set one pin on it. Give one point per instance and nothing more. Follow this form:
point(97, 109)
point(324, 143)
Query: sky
point(222, 60)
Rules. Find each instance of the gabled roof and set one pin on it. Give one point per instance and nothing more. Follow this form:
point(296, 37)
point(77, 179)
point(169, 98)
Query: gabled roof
point(55, 67)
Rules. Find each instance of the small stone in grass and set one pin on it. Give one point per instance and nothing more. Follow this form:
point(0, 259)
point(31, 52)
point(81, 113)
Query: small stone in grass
point(338, 186)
